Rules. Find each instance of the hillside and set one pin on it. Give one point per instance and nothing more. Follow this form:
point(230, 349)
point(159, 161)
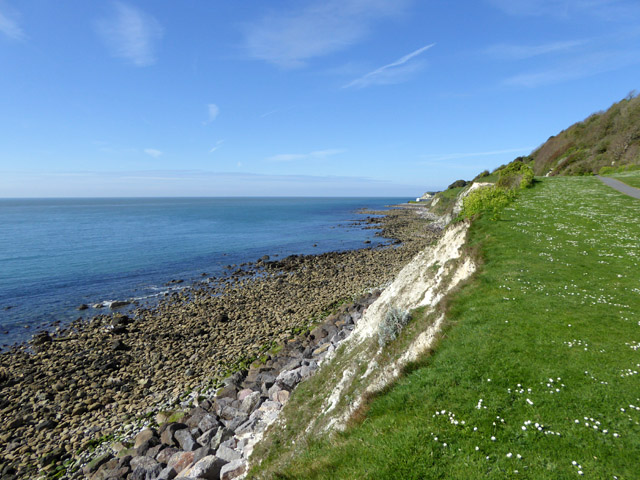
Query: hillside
point(604, 139)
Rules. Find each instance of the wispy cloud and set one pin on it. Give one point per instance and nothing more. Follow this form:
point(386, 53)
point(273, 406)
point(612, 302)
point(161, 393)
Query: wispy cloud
point(213, 111)
point(317, 155)
point(394, 72)
point(9, 25)
point(443, 157)
point(581, 67)
point(216, 146)
point(153, 152)
point(319, 28)
point(131, 34)
point(521, 52)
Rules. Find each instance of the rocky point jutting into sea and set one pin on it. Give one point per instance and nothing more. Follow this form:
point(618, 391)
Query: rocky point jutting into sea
point(99, 382)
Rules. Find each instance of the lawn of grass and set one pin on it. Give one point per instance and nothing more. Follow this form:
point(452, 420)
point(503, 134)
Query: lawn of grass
point(538, 374)
point(630, 178)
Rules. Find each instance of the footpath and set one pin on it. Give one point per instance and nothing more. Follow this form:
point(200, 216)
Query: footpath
point(621, 186)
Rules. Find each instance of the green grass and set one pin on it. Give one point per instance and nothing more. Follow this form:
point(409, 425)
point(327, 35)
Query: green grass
point(555, 306)
point(446, 200)
point(630, 178)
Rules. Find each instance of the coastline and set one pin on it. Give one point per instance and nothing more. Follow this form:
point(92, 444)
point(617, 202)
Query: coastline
point(135, 249)
point(94, 377)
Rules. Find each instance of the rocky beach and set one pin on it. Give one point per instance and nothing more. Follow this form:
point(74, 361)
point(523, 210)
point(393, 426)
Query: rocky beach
point(202, 362)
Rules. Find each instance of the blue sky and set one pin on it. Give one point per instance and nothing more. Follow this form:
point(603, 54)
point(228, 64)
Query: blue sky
point(331, 97)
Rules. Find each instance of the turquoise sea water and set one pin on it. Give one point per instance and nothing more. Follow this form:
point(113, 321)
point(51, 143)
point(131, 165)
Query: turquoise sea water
point(56, 254)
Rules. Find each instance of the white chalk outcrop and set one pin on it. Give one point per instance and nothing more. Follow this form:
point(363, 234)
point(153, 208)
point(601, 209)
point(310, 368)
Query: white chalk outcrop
point(422, 282)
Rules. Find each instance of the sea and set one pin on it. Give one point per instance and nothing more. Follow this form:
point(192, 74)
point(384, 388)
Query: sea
point(56, 254)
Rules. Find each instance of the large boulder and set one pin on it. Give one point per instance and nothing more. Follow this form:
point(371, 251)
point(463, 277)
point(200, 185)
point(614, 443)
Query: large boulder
point(208, 468)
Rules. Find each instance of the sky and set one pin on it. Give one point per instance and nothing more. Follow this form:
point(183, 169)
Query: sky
point(287, 98)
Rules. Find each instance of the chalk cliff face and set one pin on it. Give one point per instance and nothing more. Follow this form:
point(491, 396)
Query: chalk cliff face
point(423, 282)
point(359, 365)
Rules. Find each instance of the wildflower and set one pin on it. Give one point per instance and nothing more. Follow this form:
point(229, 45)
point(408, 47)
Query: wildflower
point(493, 439)
point(529, 402)
point(509, 455)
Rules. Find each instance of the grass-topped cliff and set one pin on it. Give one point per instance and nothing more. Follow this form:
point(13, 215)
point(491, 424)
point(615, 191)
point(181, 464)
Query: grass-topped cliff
point(604, 139)
point(536, 375)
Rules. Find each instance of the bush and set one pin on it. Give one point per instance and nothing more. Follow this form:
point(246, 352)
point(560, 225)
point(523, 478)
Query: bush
point(487, 199)
point(457, 184)
point(393, 322)
point(515, 175)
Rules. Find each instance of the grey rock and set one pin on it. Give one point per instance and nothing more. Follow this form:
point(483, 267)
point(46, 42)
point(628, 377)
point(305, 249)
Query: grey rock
point(222, 435)
point(220, 403)
point(167, 473)
point(233, 470)
point(202, 452)
point(228, 454)
point(144, 468)
point(229, 391)
point(118, 345)
point(268, 379)
point(96, 463)
point(146, 448)
point(229, 412)
point(168, 434)
point(207, 422)
point(143, 436)
point(274, 388)
point(195, 415)
point(207, 436)
point(235, 422)
point(186, 440)
point(119, 304)
point(207, 468)
point(250, 402)
point(289, 378)
point(165, 454)
point(247, 426)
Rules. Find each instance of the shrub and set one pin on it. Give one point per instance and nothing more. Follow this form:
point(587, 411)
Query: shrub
point(457, 184)
point(394, 321)
point(515, 175)
point(487, 199)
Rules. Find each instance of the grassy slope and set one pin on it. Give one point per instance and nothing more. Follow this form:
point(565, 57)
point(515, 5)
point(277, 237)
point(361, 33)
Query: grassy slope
point(557, 298)
point(603, 139)
point(446, 200)
point(630, 178)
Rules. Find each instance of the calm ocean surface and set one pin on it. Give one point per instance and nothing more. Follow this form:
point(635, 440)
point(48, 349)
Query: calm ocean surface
point(56, 254)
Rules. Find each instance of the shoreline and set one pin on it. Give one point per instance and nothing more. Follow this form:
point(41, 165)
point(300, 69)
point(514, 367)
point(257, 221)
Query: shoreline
point(144, 289)
point(94, 377)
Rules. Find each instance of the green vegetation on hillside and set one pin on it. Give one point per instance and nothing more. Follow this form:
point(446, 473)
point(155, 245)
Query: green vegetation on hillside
point(493, 199)
point(444, 201)
point(610, 138)
point(537, 375)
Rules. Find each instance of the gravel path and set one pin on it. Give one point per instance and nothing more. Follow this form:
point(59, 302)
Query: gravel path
point(621, 186)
